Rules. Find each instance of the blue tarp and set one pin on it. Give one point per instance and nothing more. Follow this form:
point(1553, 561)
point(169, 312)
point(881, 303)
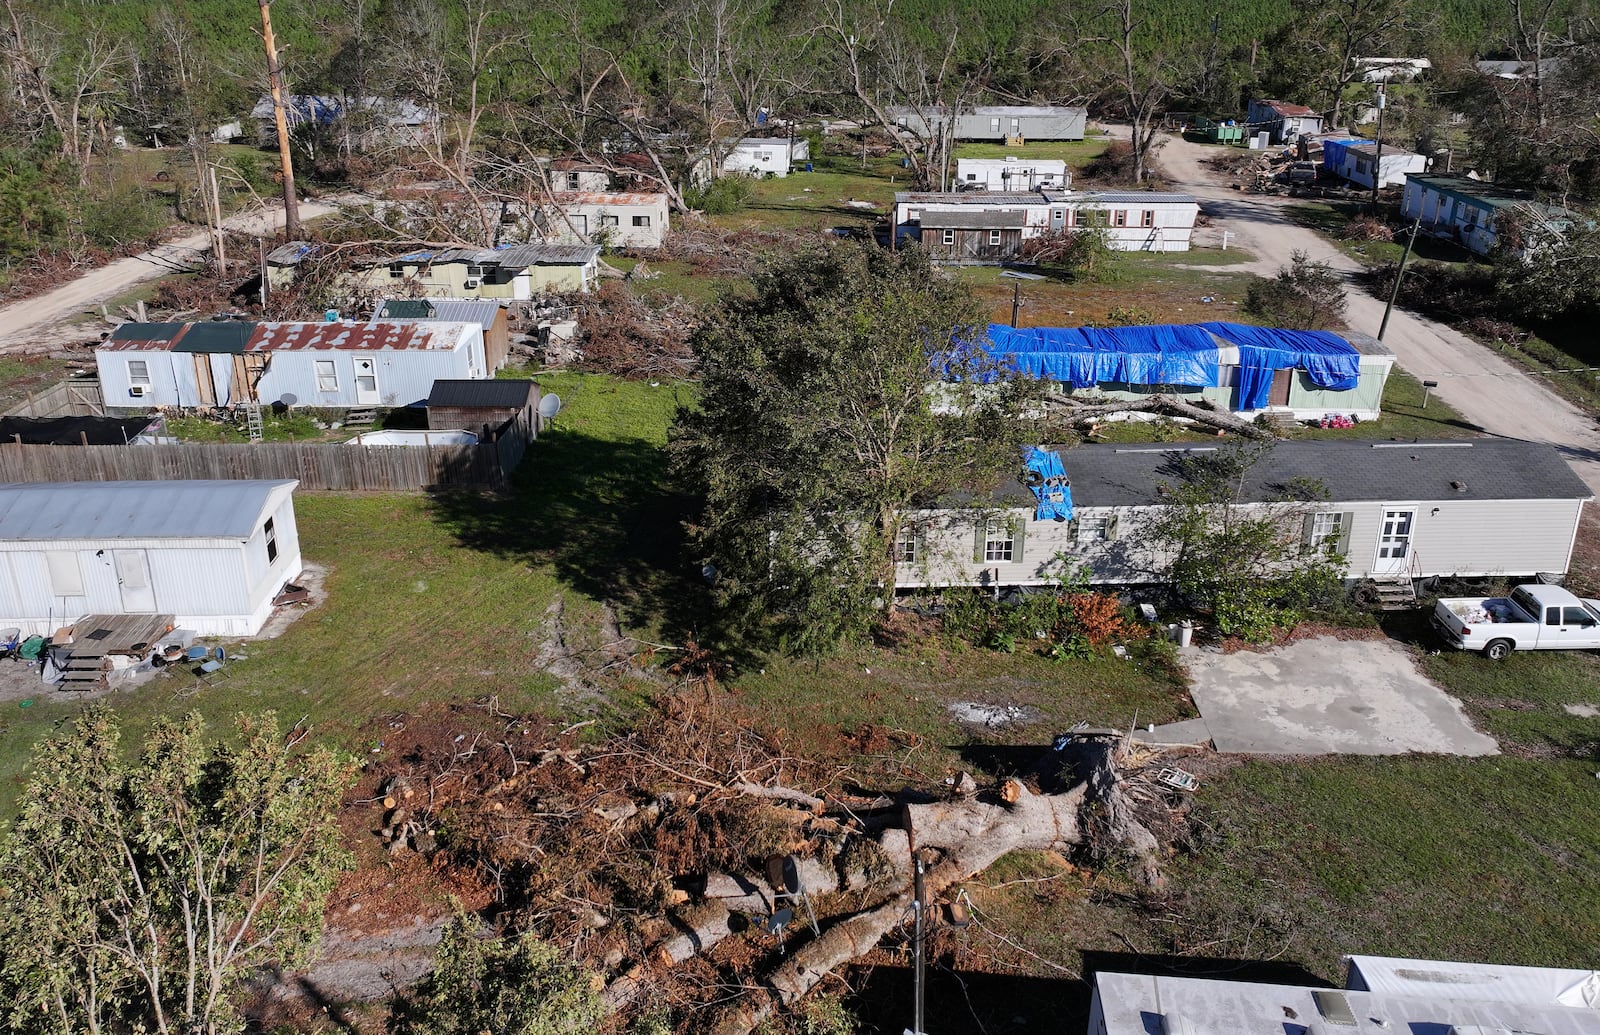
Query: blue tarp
point(1333, 151)
point(1329, 361)
point(1048, 480)
point(1176, 354)
point(1173, 354)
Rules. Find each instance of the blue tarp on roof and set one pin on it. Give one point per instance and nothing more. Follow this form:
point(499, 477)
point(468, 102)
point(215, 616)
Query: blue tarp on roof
point(1333, 151)
point(1328, 360)
point(1173, 354)
point(1048, 480)
point(1176, 354)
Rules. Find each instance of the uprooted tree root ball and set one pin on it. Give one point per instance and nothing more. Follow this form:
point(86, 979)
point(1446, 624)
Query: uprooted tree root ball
point(645, 855)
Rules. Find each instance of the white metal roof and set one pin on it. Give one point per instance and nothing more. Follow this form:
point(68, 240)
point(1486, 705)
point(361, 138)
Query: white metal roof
point(1138, 1004)
point(1390, 975)
point(135, 510)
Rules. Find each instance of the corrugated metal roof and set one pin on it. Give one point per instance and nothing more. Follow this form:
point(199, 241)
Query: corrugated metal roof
point(213, 336)
point(134, 510)
point(386, 335)
point(1287, 108)
point(629, 198)
point(146, 332)
point(520, 255)
point(999, 219)
point(290, 253)
point(483, 313)
point(500, 394)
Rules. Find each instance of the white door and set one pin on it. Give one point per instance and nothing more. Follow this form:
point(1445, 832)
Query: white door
point(133, 575)
point(1394, 542)
point(367, 381)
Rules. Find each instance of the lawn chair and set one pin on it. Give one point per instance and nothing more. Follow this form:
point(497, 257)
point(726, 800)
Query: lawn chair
point(10, 640)
point(207, 672)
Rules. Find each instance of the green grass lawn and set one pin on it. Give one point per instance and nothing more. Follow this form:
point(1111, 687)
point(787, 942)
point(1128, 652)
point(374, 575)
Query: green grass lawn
point(822, 198)
point(1404, 416)
point(443, 599)
point(22, 376)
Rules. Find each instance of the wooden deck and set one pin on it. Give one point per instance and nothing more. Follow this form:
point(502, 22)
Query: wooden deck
point(96, 637)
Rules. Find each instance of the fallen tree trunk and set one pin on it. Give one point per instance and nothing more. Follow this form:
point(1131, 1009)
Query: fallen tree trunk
point(1079, 415)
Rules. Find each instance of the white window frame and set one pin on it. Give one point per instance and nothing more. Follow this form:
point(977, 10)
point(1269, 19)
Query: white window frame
point(396, 271)
point(994, 237)
point(1147, 218)
point(573, 182)
point(269, 532)
point(913, 215)
point(994, 125)
point(65, 569)
point(1326, 527)
point(1095, 529)
point(1119, 217)
point(905, 545)
point(641, 221)
point(609, 220)
point(327, 375)
point(139, 373)
point(474, 271)
point(947, 237)
point(999, 543)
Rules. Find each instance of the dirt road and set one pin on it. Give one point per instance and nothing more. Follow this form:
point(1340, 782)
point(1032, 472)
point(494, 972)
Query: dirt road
point(46, 320)
point(1493, 393)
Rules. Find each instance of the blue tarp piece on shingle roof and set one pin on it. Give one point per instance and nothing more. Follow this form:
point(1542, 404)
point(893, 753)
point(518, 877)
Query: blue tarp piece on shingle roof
point(1048, 480)
point(1176, 354)
point(1328, 360)
point(1333, 151)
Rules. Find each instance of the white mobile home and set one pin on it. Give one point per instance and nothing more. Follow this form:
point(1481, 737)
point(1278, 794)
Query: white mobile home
point(1282, 120)
point(1471, 212)
point(766, 156)
point(630, 220)
point(1355, 160)
point(1000, 123)
point(212, 554)
point(980, 227)
point(1011, 174)
point(1394, 510)
point(340, 364)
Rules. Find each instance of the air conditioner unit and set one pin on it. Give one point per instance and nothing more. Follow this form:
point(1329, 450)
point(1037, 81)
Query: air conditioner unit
point(470, 285)
point(138, 390)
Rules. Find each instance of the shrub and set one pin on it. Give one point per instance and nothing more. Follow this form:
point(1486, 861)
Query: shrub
point(721, 196)
point(1098, 616)
point(124, 217)
point(1305, 295)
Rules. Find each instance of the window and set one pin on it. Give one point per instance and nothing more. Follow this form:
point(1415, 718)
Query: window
point(271, 535)
point(572, 181)
point(1119, 217)
point(606, 220)
point(999, 542)
point(1578, 616)
point(947, 237)
point(1326, 528)
point(474, 271)
point(913, 215)
point(66, 574)
point(994, 237)
point(905, 546)
point(762, 156)
point(327, 376)
point(1094, 529)
point(641, 220)
point(396, 271)
point(994, 125)
point(139, 372)
point(1147, 217)
point(1552, 616)
point(971, 177)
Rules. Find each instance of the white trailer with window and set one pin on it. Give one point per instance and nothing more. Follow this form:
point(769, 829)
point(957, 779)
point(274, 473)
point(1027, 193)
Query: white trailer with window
point(212, 554)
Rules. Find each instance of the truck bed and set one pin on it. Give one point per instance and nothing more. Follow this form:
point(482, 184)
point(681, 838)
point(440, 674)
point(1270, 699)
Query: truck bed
point(1486, 610)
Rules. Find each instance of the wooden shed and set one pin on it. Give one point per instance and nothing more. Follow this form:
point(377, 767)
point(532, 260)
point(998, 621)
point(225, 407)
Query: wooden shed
point(483, 406)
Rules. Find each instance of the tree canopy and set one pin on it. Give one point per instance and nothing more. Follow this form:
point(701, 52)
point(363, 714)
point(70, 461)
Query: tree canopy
point(824, 416)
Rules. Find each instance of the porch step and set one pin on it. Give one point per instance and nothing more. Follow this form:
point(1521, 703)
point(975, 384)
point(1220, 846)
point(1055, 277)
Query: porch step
point(1395, 594)
point(1281, 420)
point(354, 418)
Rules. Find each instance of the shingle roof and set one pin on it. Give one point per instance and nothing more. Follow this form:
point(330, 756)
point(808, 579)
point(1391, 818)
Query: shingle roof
point(1351, 471)
point(499, 394)
point(134, 510)
point(980, 219)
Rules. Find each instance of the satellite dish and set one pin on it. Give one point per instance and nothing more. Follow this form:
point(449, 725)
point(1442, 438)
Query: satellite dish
point(549, 406)
point(777, 921)
point(783, 873)
point(289, 399)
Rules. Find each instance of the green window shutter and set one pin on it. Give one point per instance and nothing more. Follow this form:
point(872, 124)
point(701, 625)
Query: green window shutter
point(1019, 533)
point(979, 539)
point(1305, 531)
point(1347, 520)
point(1113, 524)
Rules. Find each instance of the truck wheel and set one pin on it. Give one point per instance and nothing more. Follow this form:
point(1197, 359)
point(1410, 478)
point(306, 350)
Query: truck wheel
point(1498, 650)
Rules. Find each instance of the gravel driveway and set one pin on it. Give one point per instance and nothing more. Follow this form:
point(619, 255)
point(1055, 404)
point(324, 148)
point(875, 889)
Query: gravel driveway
point(1327, 696)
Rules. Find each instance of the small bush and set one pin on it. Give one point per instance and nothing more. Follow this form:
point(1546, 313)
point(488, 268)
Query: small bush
point(124, 217)
point(1305, 295)
point(722, 196)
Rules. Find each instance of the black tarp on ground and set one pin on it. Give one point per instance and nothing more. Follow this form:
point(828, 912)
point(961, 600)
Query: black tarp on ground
point(70, 431)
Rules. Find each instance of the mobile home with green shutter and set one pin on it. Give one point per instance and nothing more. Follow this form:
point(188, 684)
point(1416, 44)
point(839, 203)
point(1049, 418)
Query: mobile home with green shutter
point(1394, 511)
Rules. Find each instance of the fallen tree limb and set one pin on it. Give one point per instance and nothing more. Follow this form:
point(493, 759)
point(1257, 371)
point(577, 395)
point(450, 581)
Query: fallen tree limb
point(1081, 414)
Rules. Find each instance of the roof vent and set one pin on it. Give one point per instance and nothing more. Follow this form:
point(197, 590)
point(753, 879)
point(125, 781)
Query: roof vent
point(1459, 486)
point(1335, 1007)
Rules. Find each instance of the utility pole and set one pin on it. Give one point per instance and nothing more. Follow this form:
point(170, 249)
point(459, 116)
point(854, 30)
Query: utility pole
point(919, 908)
point(291, 208)
point(1377, 158)
point(1394, 292)
point(1016, 302)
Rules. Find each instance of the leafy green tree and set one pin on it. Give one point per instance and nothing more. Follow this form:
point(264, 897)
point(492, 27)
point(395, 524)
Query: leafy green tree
point(1245, 562)
point(519, 985)
point(136, 894)
point(1305, 295)
point(823, 419)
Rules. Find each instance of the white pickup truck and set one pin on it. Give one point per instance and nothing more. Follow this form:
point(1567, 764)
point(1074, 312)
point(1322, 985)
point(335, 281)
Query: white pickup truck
point(1533, 617)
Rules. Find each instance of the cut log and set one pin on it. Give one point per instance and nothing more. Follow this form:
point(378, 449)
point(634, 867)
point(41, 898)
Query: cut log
point(787, 794)
point(702, 927)
point(1079, 415)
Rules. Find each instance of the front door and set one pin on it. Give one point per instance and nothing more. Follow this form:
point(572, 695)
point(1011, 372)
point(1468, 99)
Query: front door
point(1279, 395)
point(367, 382)
point(1394, 542)
point(133, 576)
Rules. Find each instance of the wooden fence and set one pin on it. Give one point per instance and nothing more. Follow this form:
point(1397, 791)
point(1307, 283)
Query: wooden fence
point(79, 397)
point(318, 465)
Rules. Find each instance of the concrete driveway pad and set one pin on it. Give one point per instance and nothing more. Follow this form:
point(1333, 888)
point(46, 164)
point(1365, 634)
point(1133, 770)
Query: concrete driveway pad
point(1327, 696)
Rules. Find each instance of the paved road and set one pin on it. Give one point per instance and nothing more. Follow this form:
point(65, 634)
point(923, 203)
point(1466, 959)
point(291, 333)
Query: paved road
point(1489, 391)
point(45, 320)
